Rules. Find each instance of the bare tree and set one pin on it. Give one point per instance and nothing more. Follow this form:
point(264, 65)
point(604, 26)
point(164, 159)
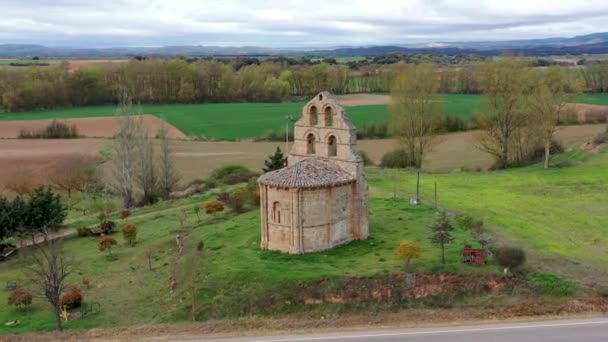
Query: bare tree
point(145, 170)
point(504, 83)
point(167, 172)
point(415, 109)
point(74, 173)
point(49, 272)
point(125, 150)
point(550, 94)
point(21, 182)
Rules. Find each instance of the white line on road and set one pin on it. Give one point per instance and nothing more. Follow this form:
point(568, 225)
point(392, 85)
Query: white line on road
point(532, 326)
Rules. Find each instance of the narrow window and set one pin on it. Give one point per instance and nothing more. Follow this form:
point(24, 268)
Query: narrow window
point(276, 212)
point(329, 120)
point(332, 146)
point(310, 144)
point(313, 115)
point(320, 97)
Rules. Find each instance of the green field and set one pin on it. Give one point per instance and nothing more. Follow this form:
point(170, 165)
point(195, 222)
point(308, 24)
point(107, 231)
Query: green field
point(234, 121)
point(559, 215)
point(235, 270)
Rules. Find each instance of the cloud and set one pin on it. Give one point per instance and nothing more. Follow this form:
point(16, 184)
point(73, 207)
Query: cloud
point(291, 23)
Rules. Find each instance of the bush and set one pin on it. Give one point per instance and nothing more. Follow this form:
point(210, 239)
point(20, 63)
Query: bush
point(105, 244)
point(83, 231)
point(72, 299)
point(374, 130)
point(224, 171)
point(397, 158)
point(552, 285)
point(510, 257)
point(54, 130)
point(601, 138)
point(538, 153)
point(253, 192)
point(238, 177)
point(223, 197)
point(237, 200)
point(107, 226)
point(129, 233)
point(602, 291)
point(124, 214)
point(20, 297)
point(210, 183)
point(214, 207)
point(366, 159)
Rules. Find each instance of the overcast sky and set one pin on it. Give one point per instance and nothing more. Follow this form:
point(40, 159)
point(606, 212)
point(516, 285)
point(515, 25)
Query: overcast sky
point(287, 23)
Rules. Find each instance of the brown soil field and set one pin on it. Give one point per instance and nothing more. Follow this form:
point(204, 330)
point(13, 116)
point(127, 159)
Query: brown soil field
point(98, 127)
point(82, 63)
point(196, 159)
point(363, 99)
point(590, 113)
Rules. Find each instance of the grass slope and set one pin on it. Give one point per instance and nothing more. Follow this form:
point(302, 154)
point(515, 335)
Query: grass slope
point(559, 215)
point(235, 269)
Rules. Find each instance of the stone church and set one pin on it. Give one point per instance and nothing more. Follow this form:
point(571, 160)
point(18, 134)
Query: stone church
point(318, 201)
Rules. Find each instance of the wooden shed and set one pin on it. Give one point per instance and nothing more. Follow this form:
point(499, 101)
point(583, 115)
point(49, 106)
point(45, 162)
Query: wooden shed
point(474, 256)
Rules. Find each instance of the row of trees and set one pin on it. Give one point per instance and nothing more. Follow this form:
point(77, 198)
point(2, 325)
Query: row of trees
point(39, 213)
point(522, 109)
point(196, 81)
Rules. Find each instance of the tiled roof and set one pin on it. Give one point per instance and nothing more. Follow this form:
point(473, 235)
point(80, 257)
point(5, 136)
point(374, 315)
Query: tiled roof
point(308, 173)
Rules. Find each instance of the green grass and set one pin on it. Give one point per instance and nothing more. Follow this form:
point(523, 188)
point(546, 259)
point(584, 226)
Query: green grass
point(234, 266)
point(559, 215)
point(235, 121)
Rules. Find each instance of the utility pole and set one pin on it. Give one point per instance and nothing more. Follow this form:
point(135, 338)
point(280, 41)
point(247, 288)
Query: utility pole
point(418, 187)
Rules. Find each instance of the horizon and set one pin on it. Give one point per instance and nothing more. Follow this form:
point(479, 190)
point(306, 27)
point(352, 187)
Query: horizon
point(291, 25)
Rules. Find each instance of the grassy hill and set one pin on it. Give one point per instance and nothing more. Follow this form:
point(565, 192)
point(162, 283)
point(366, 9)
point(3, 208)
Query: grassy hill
point(558, 215)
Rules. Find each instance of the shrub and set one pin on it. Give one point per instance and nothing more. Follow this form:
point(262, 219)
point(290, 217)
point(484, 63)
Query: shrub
point(238, 177)
point(223, 197)
point(407, 251)
point(224, 171)
point(214, 207)
point(397, 158)
point(510, 257)
point(129, 233)
point(210, 183)
point(601, 138)
point(124, 214)
point(72, 299)
point(54, 130)
point(467, 222)
point(101, 216)
point(83, 231)
point(366, 159)
point(538, 153)
point(107, 226)
point(552, 285)
point(106, 243)
point(602, 291)
point(451, 123)
point(20, 297)
point(237, 200)
point(253, 192)
point(374, 130)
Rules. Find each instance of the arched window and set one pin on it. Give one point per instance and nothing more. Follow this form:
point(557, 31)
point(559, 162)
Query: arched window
point(329, 119)
point(320, 97)
point(313, 115)
point(276, 212)
point(332, 146)
point(310, 144)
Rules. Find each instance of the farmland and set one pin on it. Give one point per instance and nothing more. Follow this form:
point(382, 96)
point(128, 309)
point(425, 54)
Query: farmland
point(237, 121)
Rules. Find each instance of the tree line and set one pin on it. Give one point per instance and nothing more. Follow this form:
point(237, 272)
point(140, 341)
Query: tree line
point(151, 81)
point(517, 119)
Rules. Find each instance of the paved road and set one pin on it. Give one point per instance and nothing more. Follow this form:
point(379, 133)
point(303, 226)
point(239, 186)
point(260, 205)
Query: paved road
point(589, 330)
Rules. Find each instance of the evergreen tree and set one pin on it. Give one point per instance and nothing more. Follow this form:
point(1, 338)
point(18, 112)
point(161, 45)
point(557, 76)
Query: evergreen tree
point(275, 161)
point(442, 232)
point(45, 211)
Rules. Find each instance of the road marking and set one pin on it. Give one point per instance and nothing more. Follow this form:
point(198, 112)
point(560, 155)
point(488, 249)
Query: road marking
point(413, 333)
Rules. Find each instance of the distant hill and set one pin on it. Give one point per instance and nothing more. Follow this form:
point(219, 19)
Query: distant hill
point(587, 44)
